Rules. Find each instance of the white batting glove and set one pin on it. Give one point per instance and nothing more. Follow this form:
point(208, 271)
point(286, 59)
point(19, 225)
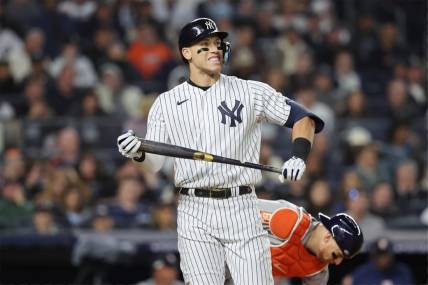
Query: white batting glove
point(292, 169)
point(128, 145)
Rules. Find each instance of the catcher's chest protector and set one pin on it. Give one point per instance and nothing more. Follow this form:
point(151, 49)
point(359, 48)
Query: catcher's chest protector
point(291, 259)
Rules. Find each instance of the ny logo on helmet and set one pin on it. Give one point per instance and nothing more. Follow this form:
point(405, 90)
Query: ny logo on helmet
point(225, 111)
point(209, 25)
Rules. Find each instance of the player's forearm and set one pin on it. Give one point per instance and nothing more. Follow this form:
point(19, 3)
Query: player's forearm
point(304, 128)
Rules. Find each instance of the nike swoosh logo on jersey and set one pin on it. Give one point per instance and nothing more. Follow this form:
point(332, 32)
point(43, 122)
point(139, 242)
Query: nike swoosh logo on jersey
point(181, 102)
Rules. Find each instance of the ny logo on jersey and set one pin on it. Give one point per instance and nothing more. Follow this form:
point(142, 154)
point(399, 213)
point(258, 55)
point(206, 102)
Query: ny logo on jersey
point(209, 25)
point(234, 114)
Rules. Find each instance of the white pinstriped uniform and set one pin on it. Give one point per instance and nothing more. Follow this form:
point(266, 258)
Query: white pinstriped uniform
point(223, 120)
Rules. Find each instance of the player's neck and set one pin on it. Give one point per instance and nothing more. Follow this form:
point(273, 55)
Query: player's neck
point(313, 242)
point(204, 79)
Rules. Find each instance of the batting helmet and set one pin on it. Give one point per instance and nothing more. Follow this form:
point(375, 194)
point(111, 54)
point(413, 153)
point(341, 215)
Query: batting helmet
point(345, 231)
point(201, 28)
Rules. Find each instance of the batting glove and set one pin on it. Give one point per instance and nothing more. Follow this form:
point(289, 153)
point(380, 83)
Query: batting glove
point(128, 145)
point(292, 169)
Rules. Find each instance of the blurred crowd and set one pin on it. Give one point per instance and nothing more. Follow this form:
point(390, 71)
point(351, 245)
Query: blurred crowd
point(74, 74)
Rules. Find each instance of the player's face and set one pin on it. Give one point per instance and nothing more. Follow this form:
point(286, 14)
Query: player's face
point(330, 252)
point(206, 56)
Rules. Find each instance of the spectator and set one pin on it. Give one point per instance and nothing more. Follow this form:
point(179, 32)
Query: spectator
point(389, 49)
point(401, 106)
point(164, 217)
point(15, 209)
point(148, 53)
point(369, 167)
point(347, 79)
point(382, 267)
point(74, 204)
point(357, 205)
point(307, 97)
point(20, 59)
point(67, 148)
point(290, 45)
point(383, 201)
point(411, 199)
point(13, 166)
point(64, 95)
point(320, 198)
point(115, 96)
point(126, 209)
point(164, 271)
point(85, 75)
point(44, 221)
point(92, 173)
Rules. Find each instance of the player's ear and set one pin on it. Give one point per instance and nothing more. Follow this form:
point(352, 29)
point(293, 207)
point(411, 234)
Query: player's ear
point(186, 53)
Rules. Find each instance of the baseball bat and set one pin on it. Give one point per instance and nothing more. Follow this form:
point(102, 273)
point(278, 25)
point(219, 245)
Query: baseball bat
point(187, 153)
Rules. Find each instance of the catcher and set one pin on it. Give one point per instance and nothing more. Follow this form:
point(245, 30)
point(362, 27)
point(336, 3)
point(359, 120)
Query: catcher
point(303, 247)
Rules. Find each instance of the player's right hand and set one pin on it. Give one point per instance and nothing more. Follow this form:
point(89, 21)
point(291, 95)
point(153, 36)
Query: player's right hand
point(292, 169)
point(128, 145)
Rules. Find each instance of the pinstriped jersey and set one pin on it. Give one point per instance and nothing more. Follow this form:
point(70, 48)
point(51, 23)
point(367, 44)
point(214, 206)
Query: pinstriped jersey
point(222, 120)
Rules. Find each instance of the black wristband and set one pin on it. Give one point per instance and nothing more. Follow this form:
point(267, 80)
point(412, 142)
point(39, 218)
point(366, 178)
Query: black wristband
point(140, 159)
point(301, 148)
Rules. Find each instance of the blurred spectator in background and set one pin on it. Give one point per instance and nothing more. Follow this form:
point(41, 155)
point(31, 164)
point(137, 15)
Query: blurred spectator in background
point(74, 204)
point(383, 201)
point(164, 271)
point(352, 107)
point(126, 209)
point(400, 106)
point(44, 222)
point(319, 198)
point(369, 167)
point(54, 23)
point(89, 106)
point(92, 173)
point(115, 96)
point(410, 197)
point(357, 205)
point(13, 166)
point(164, 217)
point(389, 49)
point(57, 182)
point(382, 267)
point(15, 210)
point(291, 46)
point(66, 150)
point(80, 12)
point(306, 96)
point(149, 54)
point(20, 59)
point(243, 64)
point(35, 106)
point(347, 79)
point(83, 68)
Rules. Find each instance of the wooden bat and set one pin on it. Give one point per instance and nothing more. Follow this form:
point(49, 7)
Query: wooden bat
point(187, 153)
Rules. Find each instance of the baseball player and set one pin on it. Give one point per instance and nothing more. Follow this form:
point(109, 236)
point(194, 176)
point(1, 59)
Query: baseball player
point(218, 220)
point(303, 247)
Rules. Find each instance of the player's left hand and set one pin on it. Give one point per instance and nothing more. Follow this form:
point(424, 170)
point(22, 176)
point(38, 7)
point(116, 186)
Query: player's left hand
point(292, 169)
point(128, 145)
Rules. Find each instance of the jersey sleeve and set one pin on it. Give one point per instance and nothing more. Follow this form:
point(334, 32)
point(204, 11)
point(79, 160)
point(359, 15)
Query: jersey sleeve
point(270, 105)
point(156, 126)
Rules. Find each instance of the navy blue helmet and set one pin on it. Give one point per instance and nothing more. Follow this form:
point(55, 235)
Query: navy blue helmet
point(201, 28)
point(345, 232)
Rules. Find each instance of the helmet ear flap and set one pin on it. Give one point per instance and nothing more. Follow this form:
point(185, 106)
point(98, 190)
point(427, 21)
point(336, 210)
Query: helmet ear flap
point(226, 47)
